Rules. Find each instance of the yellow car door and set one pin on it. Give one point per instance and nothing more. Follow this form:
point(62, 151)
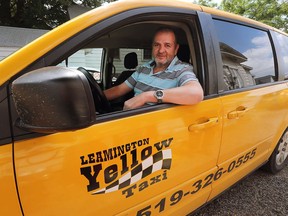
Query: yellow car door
point(142, 163)
point(8, 190)
point(9, 200)
point(252, 118)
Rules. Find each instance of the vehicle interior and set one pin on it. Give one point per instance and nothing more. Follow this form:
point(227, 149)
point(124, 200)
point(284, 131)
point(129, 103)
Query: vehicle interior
point(109, 59)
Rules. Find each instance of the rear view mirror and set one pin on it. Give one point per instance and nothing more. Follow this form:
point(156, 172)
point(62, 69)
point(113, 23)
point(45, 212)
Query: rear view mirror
point(53, 99)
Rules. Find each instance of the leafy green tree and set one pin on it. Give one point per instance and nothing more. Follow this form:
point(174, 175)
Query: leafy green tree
point(271, 12)
point(208, 3)
point(41, 14)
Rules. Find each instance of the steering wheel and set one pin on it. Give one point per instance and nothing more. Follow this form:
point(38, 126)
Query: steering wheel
point(102, 105)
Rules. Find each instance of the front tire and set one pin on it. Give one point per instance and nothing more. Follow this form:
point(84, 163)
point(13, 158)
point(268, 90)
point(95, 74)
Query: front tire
point(279, 158)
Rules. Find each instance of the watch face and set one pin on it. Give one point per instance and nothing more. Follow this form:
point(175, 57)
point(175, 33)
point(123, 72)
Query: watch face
point(159, 93)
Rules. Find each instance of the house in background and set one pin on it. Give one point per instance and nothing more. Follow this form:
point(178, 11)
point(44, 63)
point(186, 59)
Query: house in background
point(236, 73)
point(13, 38)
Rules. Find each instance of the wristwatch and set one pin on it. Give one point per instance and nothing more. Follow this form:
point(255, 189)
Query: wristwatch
point(159, 94)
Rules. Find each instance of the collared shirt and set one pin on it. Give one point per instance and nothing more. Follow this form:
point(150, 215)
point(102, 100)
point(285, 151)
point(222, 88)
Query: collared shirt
point(176, 74)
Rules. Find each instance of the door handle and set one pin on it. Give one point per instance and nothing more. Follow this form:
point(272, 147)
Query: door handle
point(232, 115)
point(203, 124)
point(241, 113)
point(237, 113)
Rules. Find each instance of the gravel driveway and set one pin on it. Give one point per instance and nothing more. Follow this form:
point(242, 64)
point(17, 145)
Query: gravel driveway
point(261, 193)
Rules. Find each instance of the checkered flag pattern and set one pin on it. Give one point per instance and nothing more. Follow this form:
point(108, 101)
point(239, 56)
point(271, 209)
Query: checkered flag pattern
point(158, 161)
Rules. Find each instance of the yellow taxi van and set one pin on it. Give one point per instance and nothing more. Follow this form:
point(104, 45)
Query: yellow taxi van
point(66, 150)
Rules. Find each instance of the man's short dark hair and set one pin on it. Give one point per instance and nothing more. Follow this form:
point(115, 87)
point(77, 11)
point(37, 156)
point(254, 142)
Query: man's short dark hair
point(167, 29)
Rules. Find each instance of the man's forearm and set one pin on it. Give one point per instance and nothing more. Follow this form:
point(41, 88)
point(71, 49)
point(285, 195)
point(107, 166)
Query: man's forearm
point(117, 91)
point(189, 94)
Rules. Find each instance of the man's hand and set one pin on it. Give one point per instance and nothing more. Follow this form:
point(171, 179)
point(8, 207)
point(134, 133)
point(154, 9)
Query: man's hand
point(139, 100)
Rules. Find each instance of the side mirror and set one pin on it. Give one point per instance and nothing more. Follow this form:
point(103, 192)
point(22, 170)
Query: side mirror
point(53, 99)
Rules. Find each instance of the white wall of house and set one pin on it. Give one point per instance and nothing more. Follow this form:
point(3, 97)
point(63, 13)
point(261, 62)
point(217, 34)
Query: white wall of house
point(6, 51)
point(12, 38)
point(87, 58)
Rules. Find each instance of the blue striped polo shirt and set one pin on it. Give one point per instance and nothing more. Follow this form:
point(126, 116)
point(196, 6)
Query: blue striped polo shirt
point(176, 74)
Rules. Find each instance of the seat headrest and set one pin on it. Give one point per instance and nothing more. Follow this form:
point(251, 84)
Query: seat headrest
point(130, 60)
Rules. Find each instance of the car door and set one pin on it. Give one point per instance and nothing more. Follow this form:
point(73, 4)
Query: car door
point(251, 115)
point(96, 169)
point(150, 160)
point(9, 203)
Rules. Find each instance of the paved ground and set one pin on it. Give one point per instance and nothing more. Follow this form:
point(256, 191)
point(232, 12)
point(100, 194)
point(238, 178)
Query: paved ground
point(260, 194)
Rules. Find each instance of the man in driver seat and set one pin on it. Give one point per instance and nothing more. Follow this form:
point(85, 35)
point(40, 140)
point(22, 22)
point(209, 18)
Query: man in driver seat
point(165, 79)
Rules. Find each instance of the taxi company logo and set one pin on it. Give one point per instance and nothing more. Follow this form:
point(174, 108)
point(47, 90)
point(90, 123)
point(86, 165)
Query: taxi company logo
point(118, 177)
point(160, 160)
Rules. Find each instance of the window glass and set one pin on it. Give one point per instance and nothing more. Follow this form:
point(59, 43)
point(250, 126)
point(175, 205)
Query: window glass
point(283, 41)
point(117, 54)
point(147, 54)
point(119, 63)
point(90, 59)
point(246, 54)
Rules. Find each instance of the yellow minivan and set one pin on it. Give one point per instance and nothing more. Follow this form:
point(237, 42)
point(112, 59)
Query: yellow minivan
point(66, 150)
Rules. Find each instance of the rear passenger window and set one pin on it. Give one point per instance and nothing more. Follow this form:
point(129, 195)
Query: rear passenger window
point(246, 54)
point(283, 41)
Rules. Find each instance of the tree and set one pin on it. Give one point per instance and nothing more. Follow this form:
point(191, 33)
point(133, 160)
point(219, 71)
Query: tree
point(271, 12)
point(207, 3)
point(41, 14)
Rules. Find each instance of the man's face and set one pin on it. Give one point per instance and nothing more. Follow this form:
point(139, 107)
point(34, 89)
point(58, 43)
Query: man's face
point(164, 48)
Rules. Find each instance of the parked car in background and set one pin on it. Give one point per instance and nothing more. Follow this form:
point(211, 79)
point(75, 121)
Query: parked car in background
point(66, 150)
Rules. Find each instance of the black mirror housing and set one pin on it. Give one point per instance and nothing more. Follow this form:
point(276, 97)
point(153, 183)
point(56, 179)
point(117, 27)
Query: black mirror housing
point(53, 99)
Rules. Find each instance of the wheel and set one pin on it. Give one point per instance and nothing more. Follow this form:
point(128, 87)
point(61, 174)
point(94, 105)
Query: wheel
point(279, 158)
point(102, 105)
